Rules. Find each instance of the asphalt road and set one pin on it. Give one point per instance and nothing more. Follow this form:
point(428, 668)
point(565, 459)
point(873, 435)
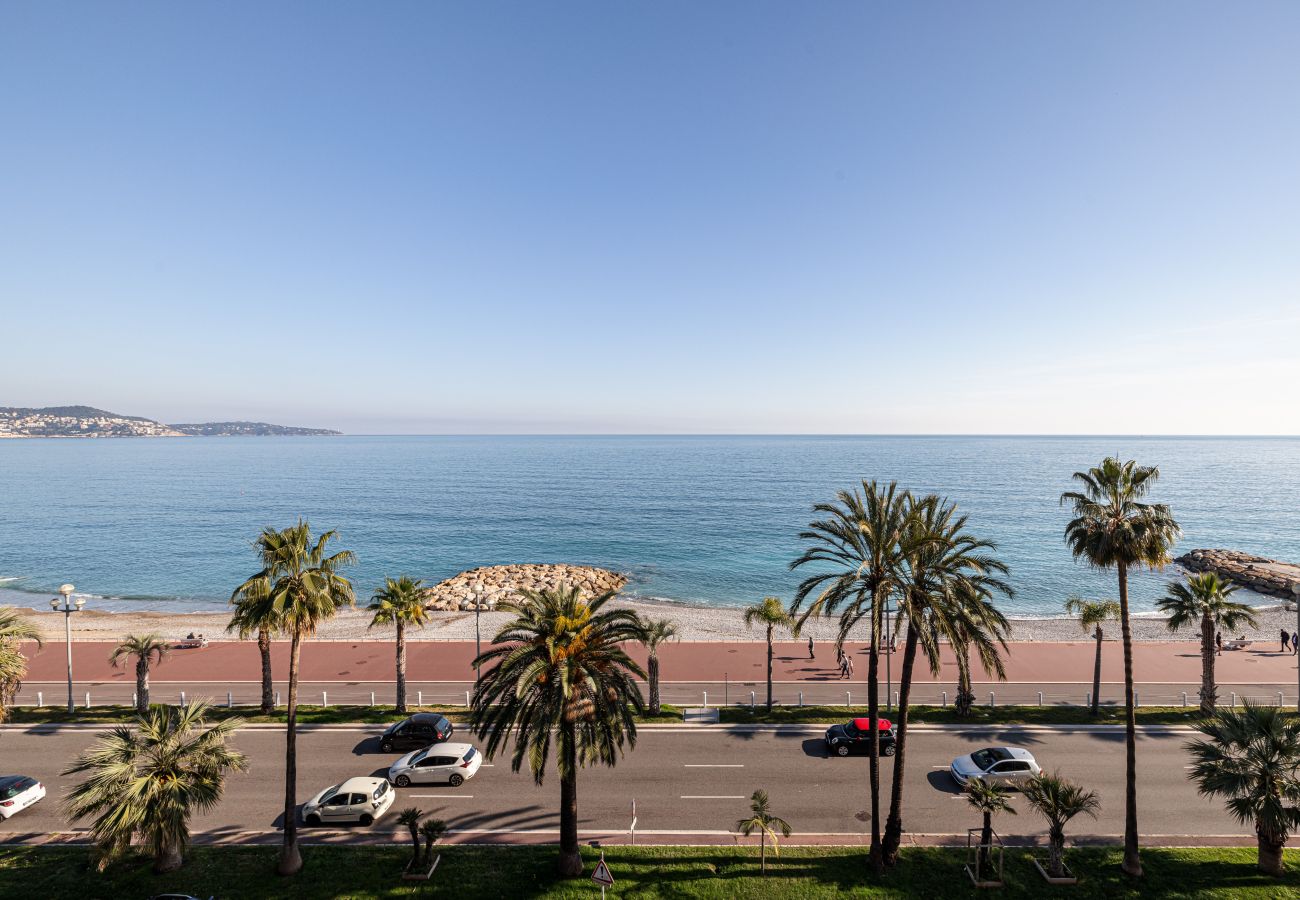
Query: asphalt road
point(690, 785)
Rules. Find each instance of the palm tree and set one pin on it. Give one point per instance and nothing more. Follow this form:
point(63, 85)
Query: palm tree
point(252, 617)
point(951, 577)
point(409, 818)
point(653, 633)
point(146, 782)
point(432, 831)
point(400, 602)
point(770, 613)
point(1113, 529)
point(1091, 615)
point(14, 629)
point(766, 824)
point(1250, 757)
point(146, 648)
point(859, 550)
point(298, 587)
point(1059, 801)
point(989, 799)
point(560, 674)
point(1204, 600)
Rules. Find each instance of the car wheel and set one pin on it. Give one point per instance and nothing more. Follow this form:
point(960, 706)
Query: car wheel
point(402, 781)
point(842, 749)
point(456, 780)
point(386, 746)
point(367, 819)
point(313, 820)
point(887, 751)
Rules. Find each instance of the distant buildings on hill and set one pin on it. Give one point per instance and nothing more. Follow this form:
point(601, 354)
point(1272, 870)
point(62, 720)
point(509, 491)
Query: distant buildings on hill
point(86, 421)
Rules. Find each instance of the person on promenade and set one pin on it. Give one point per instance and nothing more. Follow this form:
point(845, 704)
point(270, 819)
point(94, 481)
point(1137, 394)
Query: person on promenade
point(1286, 641)
point(848, 661)
point(811, 655)
point(1218, 641)
point(844, 668)
point(1295, 642)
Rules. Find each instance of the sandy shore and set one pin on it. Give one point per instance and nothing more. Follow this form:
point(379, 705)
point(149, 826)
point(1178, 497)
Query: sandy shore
point(695, 624)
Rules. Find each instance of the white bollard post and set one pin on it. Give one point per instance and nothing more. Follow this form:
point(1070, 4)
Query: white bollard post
point(324, 698)
point(372, 698)
point(848, 698)
point(135, 698)
point(1184, 698)
point(945, 698)
point(182, 698)
point(1087, 699)
point(801, 698)
point(751, 699)
point(706, 699)
point(1234, 699)
point(277, 698)
point(1040, 698)
point(230, 699)
point(467, 698)
point(1279, 698)
point(419, 698)
point(992, 701)
point(40, 698)
point(87, 699)
point(1137, 700)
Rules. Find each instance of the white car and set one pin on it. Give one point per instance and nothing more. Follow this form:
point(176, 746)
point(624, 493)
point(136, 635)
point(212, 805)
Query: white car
point(440, 764)
point(361, 800)
point(17, 792)
point(1005, 766)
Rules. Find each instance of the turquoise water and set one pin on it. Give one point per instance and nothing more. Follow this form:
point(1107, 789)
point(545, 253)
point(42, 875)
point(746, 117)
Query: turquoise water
point(712, 520)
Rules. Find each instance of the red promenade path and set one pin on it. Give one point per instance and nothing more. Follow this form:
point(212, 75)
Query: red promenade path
point(349, 670)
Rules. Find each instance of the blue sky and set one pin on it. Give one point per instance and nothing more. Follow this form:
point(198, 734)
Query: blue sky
point(656, 217)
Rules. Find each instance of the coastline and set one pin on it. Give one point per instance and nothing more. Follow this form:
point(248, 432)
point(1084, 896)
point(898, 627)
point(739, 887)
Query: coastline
point(695, 623)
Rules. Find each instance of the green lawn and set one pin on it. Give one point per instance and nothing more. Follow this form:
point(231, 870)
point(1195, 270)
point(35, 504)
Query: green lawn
point(678, 872)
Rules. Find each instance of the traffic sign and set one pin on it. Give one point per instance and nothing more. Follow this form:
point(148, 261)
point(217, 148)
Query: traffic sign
point(601, 875)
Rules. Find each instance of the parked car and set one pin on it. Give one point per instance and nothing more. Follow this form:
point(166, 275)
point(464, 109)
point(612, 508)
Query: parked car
point(440, 764)
point(361, 800)
point(17, 792)
point(416, 732)
point(854, 736)
point(1007, 766)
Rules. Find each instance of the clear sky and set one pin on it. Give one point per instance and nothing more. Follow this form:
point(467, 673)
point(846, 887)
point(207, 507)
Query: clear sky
point(656, 216)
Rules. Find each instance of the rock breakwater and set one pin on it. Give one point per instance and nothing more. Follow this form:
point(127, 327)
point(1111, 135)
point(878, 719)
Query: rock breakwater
point(1264, 576)
point(487, 586)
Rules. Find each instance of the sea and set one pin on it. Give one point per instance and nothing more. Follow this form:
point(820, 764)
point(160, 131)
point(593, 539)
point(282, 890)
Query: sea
point(169, 523)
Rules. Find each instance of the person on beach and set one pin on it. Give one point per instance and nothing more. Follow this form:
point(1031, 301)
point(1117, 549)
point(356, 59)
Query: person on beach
point(811, 655)
point(1286, 641)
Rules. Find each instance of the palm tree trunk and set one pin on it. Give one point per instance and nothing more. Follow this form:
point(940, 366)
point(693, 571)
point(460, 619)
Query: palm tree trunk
point(142, 686)
point(769, 668)
point(873, 713)
point(169, 858)
point(1209, 692)
point(1132, 864)
point(654, 683)
point(1270, 852)
point(268, 686)
point(570, 862)
point(401, 667)
point(965, 695)
point(1056, 854)
point(986, 841)
point(894, 825)
point(1096, 676)
point(762, 853)
point(290, 858)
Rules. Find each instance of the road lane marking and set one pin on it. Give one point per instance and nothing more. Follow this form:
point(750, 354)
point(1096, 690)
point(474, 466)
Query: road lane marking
point(713, 796)
point(448, 796)
point(713, 765)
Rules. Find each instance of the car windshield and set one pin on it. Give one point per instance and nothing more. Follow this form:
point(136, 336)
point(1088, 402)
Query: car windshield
point(442, 724)
point(851, 730)
point(986, 758)
point(421, 754)
point(380, 790)
point(329, 792)
point(469, 754)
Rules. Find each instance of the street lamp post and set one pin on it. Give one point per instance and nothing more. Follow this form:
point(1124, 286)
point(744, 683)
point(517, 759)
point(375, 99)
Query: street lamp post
point(68, 607)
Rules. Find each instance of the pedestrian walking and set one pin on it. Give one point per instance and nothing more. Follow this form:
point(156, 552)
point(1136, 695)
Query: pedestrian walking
point(811, 655)
point(848, 659)
point(844, 668)
point(1218, 641)
point(1295, 642)
point(1286, 641)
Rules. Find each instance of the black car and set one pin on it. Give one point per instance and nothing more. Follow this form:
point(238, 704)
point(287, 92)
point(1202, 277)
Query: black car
point(416, 733)
point(854, 736)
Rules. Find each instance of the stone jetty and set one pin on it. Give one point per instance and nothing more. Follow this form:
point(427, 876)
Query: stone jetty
point(487, 586)
point(1261, 575)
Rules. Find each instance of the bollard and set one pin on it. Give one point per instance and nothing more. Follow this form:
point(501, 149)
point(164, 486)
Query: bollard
point(87, 699)
point(848, 698)
point(1234, 700)
point(706, 699)
point(40, 698)
point(895, 703)
point(991, 699)
point(1136, 700)
point(372, 698)
point(467, 698)
point(230, 700)
point(801, 698)
point(135, 699)
point(945, 698)
point(1184, 698)
point(1087, 699)
point(1279, 698)
point(277, 698)
point(1040, 698)
point(751, 699)
point(419, 698)
point(182, 698)
point(324, 698)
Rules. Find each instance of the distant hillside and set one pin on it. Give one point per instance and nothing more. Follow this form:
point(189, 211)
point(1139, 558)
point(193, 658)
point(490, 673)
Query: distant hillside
point(87, 421)
point(209, 429)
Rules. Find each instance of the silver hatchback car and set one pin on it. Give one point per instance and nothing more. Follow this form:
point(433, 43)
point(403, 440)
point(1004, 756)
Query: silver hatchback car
point(1005, 766)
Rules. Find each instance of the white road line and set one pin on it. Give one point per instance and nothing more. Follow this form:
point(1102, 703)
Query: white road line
point(713, 765)
point(713, 796)
point(447, 796)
